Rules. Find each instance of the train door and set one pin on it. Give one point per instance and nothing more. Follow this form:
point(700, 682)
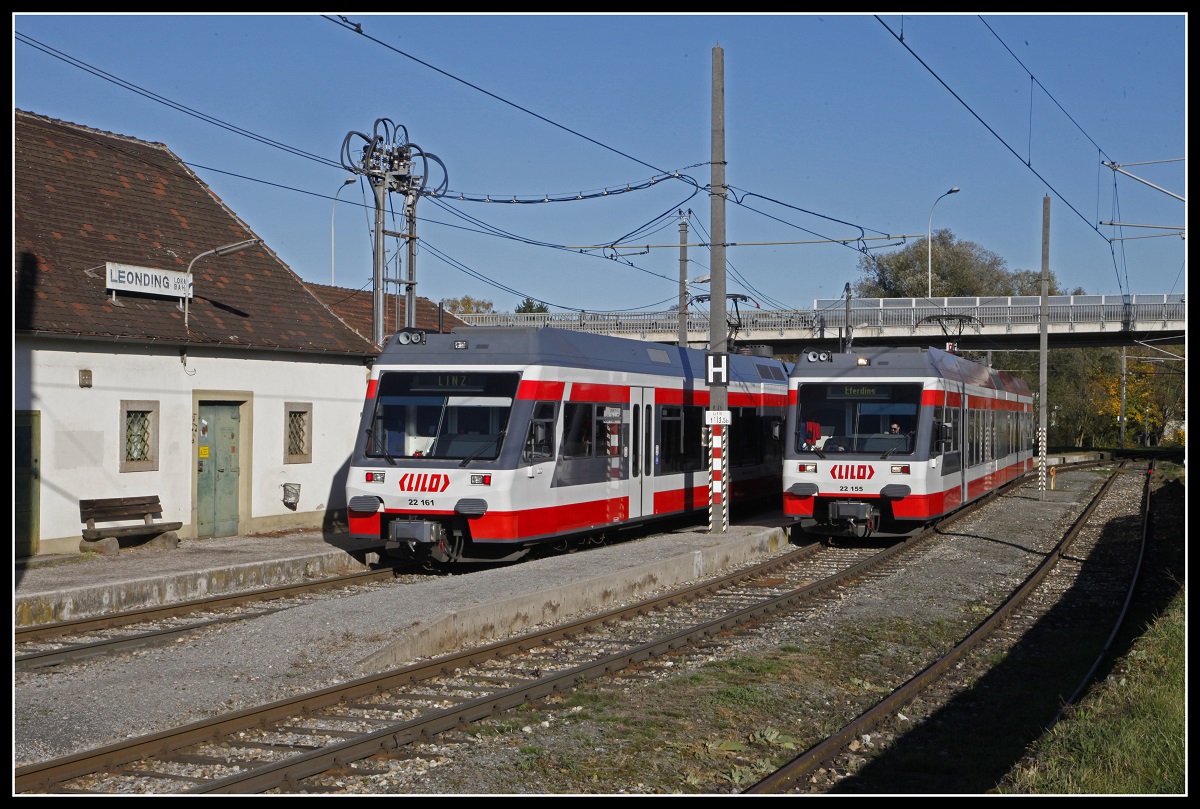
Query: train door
point(218, 469)
point(962, 435)
point(949, 447)
point(641, 451)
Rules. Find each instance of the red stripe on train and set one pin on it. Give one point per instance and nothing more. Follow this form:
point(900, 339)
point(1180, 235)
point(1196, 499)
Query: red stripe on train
point(540, 389)
point(596, 392)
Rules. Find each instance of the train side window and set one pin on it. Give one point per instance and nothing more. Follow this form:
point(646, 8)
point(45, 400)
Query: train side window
point(577, 430)
point(945, 432)
point(602, 434)
point(670, 443)
point(681, 445)
point(539, 444)
point(974, 438)
point(749, 427)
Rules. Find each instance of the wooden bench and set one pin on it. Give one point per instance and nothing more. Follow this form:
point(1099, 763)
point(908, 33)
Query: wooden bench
point(123, 508)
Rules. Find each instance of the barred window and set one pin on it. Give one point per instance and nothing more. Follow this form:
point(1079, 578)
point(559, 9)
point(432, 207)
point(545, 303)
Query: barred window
point(137, 435)
point(298, 432)
point(139, 431)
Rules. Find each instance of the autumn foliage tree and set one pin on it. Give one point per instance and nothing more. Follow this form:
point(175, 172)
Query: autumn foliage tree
point(466, 305)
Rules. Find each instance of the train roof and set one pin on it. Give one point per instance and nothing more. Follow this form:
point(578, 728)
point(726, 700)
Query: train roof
point(905, 361)
point(546, 345)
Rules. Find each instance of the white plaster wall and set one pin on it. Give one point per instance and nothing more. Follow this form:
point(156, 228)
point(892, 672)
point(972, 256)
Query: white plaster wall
point(82, 435)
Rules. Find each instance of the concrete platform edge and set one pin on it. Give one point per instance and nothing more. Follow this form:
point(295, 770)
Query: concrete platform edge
point(481, 622)
point(83, 602)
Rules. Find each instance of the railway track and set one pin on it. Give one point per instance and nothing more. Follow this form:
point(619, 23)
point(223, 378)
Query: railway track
point(42, 646)
point(279, 745)
point(1090, 569)
point(288, 744)
point(64, 642)
point(320, 741)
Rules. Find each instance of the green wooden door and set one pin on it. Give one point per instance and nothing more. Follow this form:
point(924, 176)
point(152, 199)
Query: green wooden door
point(218, 469)
point(27, 441)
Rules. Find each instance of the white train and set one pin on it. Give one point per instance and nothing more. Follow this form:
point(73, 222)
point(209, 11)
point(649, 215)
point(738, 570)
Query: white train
point(484, 443)
point(885, 440)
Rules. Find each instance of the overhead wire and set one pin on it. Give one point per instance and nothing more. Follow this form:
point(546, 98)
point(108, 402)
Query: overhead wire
point(611, 252)
point(344, 23)
point(988, 127)
point(745, 284)
point(458, 265)
point(1121, 265)
point(661, 175)
point(1122, 283)
point(440, 191)
point(357, 28)
point(486, 229)
point(95, 71)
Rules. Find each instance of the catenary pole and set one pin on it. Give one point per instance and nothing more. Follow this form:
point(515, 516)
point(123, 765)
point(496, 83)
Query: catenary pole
point(718, 330)
point(1043, 341)
point(683, 282)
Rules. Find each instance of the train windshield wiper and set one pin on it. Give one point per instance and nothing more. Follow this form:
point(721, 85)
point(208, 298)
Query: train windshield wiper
point(494, 442)
point(381, 449)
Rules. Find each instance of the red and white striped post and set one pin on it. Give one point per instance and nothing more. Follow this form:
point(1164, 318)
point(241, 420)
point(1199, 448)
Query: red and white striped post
point(718, 500)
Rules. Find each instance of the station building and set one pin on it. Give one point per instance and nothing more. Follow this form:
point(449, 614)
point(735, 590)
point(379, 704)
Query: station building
point(155, 352)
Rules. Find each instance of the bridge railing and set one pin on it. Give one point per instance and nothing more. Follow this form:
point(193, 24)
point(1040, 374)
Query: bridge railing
point(916, 314)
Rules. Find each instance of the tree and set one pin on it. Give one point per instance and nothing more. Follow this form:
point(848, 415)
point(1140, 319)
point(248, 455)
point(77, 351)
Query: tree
point(1154, 396)
point(1080, 384)
point(1083, 385)
point(466, 305)
point(530, 307)
point(960, 269)
point(1084, 394)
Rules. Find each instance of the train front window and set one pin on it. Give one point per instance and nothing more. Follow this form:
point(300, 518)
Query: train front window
point(861, 417)
point(440, 414)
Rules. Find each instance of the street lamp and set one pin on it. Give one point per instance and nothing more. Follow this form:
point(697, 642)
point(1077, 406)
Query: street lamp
point(929, 239)
point(223, 250)
point(332, 215)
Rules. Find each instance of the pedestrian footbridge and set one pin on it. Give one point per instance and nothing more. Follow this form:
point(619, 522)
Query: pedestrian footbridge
point(992, 323)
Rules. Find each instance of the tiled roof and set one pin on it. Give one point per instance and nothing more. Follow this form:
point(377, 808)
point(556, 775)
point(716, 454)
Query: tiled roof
point(356, 308)
point(83, 197)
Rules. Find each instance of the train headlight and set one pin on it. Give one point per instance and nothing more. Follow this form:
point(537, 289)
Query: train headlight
point(900, 469)
point(481, 480)
point(807, 468)
point(373, 477)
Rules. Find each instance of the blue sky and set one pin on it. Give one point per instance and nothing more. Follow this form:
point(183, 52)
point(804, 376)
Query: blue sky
point(836, 127)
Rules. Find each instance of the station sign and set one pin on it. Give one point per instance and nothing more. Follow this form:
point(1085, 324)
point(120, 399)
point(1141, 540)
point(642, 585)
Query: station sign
point(147, 280)
point(716, 369)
